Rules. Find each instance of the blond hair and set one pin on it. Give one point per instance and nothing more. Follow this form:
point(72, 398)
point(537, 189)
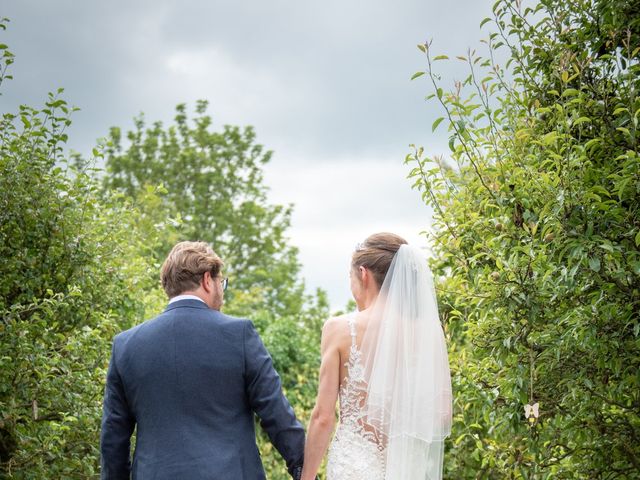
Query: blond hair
point(184, 266)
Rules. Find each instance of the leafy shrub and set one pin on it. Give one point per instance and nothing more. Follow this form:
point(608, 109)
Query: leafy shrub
point(536, 241)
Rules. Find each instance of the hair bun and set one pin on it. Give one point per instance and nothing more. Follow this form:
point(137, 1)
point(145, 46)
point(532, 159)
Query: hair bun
point(377, 252)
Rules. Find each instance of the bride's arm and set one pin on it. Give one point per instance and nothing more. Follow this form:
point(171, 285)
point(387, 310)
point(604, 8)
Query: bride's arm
point(324, 413)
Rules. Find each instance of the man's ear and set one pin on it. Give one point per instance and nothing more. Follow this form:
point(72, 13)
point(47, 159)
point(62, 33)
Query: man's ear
point(205, 282)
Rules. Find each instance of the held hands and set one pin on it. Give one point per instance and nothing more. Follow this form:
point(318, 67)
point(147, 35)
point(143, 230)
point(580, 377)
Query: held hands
point(296, 473)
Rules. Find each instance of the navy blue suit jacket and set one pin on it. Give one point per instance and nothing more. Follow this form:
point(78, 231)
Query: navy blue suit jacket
point(190, 381)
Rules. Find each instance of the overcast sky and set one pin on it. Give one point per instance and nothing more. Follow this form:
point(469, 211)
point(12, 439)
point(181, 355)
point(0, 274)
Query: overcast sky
point(325, 84)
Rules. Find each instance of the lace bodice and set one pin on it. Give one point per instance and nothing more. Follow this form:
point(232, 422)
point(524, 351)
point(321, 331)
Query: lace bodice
point(356, 452)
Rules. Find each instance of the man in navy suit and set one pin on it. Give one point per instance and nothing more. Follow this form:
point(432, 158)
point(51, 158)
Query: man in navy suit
point(191, 380)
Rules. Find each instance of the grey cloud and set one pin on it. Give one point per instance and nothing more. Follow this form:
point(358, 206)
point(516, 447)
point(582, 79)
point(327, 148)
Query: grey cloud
point(345, 64)
point(326, 84)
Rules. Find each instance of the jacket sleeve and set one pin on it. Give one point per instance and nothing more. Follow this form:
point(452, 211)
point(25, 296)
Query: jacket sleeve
point(117, 426)
point(264, 391)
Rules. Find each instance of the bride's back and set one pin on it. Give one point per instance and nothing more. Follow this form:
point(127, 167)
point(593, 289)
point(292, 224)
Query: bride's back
point(357, 449)
point(343, 340)
point(388, 366)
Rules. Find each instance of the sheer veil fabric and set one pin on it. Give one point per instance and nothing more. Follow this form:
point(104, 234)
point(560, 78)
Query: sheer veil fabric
point(408, 403)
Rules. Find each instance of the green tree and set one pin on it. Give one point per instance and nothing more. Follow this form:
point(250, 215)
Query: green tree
point(73, 266)
point(214, 192)
point(536, 241)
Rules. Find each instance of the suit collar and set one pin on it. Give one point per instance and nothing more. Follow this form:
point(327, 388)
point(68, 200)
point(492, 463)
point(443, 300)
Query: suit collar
point(187, 303)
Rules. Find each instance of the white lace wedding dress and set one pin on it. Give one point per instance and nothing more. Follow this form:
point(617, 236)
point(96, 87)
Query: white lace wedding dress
point(395, 399)
point(355, 452)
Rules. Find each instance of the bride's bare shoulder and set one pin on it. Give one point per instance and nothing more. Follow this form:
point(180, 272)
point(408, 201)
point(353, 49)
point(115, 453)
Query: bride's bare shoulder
point(336, 321)
point(336, 329)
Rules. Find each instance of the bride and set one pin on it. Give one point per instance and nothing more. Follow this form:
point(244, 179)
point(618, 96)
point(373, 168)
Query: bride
point(387, 364)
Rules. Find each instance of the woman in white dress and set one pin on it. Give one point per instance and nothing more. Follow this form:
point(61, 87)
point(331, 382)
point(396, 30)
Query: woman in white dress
point(387, 365)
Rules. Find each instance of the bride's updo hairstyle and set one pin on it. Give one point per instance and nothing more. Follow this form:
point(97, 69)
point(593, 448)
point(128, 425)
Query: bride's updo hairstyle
point(376, 253)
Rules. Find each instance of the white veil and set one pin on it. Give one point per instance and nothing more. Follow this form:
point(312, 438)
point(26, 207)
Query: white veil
point(409, 399)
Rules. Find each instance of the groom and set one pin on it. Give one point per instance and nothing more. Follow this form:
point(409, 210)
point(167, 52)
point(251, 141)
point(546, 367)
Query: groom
point(190, 380)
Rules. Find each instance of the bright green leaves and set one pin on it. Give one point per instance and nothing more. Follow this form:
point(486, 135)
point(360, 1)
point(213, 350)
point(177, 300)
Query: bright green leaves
point(74, 273)
point(535, 239)
point(581, 120)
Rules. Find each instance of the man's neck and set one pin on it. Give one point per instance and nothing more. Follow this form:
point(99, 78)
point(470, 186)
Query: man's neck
point(186, 296)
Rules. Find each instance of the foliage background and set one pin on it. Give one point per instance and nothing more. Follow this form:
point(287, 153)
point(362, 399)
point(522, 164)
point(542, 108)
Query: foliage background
point(537, 242)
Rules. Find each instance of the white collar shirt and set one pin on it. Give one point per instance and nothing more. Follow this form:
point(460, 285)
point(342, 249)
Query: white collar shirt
point(184, 297)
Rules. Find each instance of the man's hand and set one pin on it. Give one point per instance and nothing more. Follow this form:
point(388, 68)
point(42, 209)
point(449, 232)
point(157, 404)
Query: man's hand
point(296, 473)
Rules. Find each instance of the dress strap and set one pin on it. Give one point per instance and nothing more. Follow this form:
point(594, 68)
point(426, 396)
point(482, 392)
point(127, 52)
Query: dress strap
point(352, 328)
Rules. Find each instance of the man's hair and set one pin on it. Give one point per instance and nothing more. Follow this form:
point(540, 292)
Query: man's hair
point(186, 264)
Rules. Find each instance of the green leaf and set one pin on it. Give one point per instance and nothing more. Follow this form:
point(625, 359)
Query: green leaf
point(601, 190)
point(608, 247)
point(436, 123)
point(581, 120)
point(622, 186)
point(569, 92)
point(592, 143)
point(441, 57)
point(459, 439)
point(550, 138)
point(416, 75)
